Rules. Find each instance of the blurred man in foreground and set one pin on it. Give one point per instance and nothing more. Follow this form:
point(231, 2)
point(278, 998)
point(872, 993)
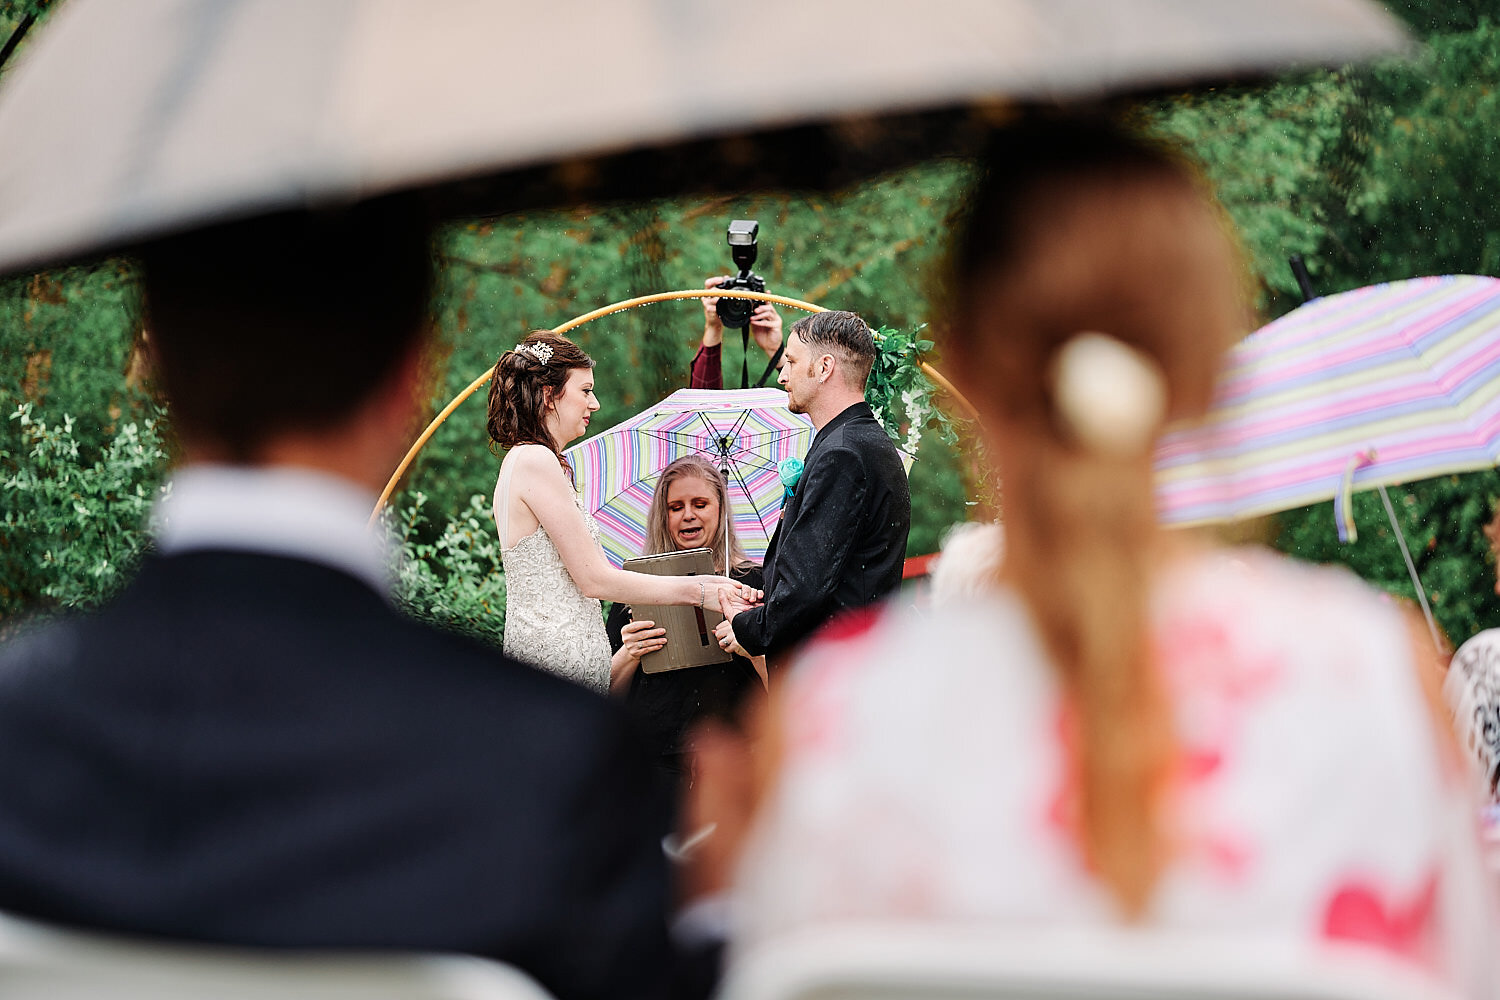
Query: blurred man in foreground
point(250, 745)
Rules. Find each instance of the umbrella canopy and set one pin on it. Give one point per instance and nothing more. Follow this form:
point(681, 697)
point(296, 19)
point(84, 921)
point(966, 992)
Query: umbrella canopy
point(125, 121)
point(747, 432)
point(1380, 385)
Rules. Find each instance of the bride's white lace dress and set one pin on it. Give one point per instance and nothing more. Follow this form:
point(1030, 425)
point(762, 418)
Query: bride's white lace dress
point(549, 623)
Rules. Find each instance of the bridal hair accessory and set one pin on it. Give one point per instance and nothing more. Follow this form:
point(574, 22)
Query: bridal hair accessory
point(542, 352)
point(1110, 397)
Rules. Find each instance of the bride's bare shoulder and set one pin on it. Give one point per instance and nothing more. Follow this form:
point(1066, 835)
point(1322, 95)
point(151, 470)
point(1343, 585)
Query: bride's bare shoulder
point(533, 459)
point(528, 454)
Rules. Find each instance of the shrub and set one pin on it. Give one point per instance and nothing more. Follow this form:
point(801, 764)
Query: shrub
point(73, 529)
point(455, 581)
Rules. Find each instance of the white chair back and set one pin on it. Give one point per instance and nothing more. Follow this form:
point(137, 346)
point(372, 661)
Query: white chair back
point(42, 962)
point(955, 962)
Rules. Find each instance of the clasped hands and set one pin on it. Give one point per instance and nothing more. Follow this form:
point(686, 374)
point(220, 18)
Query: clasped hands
point(715, 590)
point(645, 636)
point(731, 605)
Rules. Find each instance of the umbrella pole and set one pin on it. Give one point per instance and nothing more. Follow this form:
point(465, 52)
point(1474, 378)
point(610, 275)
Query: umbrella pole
point(1411, 568)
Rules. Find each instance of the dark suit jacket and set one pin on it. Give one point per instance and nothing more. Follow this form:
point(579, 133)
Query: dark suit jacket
point(259, 751)
point(842, 537)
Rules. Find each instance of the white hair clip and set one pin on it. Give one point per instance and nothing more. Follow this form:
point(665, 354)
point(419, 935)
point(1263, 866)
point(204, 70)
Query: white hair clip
point(542, 352)
point(1109, 396)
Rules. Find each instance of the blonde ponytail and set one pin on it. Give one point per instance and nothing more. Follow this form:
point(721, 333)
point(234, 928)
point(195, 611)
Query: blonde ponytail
point(1083, 565)
point(1079, 227)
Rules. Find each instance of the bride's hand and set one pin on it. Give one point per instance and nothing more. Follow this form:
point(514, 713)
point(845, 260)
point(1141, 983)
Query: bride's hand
point(720, 590)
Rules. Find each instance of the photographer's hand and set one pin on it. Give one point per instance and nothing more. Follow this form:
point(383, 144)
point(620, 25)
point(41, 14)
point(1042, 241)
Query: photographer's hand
point(765, 327)
point(713, 329)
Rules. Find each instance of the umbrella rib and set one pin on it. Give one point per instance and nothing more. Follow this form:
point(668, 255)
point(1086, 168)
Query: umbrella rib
point(753, 459)
point(746, 456)
point(670, 437)
point(750, 499)
point(609, 500)
point(733, 465)
point(738, 455)
point(721, 448)
point(712, 431)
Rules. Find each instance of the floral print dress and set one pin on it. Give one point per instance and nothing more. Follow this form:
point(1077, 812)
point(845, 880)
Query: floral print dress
point(926, 775)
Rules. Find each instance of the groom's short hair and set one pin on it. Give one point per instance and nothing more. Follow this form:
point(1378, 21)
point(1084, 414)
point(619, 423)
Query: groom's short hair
point(846, 337)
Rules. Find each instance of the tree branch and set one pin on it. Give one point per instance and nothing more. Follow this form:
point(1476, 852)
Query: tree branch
point(14, 41)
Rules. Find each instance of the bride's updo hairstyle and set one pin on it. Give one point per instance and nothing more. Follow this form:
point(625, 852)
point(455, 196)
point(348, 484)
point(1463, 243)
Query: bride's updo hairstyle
point(1096, 289)
point(525, 380)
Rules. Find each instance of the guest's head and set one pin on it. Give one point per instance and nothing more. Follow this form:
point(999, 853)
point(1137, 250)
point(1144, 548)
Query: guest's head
point(827, 362)
point(274, 335)
point(969, 563)
point(1078, 230)
point(542, 392)
point(688, 511)
point(1471, 689)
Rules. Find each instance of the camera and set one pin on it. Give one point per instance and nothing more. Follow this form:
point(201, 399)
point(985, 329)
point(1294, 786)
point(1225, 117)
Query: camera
point(743, 237)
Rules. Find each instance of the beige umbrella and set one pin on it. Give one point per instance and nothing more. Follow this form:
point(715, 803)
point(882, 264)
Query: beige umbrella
point(132, 118)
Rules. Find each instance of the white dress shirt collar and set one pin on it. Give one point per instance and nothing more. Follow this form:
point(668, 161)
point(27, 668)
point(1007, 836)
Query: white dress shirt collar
point(280, 511)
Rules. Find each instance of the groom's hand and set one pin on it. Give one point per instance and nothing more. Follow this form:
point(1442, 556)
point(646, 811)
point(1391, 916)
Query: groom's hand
point(731, 605)
point(727, 641)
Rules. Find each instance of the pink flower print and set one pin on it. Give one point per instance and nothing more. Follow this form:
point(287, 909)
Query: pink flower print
point(1063, 814)
point(1201, 654)
point(1358, 911)
point(822, 691)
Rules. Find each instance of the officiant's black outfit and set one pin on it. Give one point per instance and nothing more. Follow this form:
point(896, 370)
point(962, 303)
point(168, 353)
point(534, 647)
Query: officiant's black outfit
point(841, 542)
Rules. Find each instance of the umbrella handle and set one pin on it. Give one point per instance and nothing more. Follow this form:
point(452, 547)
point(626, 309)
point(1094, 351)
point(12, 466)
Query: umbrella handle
point(589, 317)
point(1416, 581)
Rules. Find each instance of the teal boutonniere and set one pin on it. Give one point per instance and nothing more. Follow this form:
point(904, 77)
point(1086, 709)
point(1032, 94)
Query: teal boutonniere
point(790, 470)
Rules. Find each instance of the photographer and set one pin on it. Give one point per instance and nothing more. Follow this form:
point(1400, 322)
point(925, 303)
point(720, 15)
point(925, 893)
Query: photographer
point(765, 330)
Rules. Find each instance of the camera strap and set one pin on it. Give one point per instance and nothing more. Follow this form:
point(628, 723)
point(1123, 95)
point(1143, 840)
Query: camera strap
point(745, 357)
point(775, 360)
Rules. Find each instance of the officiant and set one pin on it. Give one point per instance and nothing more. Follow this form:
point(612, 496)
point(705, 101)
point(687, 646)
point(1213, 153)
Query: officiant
point(689, 510)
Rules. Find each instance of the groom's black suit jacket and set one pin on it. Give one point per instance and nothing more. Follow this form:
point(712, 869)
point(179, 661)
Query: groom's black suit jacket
point(258, 750)
point(841, 542)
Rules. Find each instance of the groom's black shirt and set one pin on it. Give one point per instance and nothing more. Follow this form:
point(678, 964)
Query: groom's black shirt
point(842, 537)
point(258, 750)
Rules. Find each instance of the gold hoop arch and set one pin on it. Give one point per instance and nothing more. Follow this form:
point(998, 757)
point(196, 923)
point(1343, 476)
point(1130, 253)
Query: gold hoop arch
point(588, 317)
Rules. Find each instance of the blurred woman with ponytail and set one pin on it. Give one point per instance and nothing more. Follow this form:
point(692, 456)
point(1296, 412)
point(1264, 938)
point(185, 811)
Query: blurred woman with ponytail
point(1129, 727)
point(541, 398)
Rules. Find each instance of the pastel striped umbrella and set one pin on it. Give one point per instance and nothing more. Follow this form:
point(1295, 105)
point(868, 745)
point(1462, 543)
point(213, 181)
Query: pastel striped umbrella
point(1380, 385)
point(747, 432)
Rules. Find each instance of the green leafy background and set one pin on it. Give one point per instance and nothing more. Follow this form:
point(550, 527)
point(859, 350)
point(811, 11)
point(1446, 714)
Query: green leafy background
point(1371, 174)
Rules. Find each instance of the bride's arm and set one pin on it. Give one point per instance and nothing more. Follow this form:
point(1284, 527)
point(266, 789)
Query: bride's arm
point(543, 486)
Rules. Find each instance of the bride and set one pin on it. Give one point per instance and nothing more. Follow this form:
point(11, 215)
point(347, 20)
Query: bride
point(541, 398)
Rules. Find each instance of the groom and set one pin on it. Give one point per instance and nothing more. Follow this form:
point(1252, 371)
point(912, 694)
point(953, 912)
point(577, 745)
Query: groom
point(842, 537)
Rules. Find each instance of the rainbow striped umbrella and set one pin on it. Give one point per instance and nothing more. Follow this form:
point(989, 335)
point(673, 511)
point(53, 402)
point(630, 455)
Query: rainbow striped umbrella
point(1380, 385)
point(743, 431)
